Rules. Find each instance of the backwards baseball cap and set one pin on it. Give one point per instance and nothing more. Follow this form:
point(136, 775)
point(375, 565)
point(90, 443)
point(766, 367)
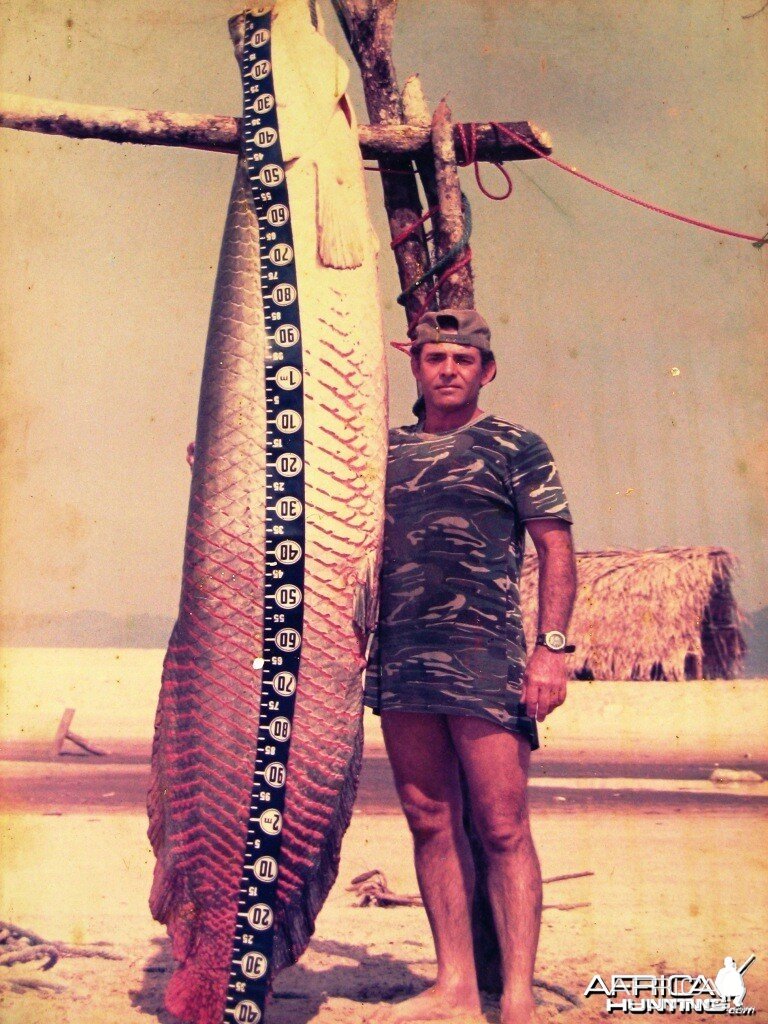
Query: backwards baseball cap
point(454, 326)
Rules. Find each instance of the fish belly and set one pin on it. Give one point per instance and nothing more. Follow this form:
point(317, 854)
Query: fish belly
point(206, 723)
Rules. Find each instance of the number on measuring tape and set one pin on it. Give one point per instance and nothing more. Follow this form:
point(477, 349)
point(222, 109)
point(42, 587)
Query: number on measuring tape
point(280, 728)
point(274, 775)
point(254, 965)
point(283, 606)
point(287, 335)
point(289, 464)
point(260, 70)
point(288, 378)
point(265, 869)
point(288, 421)
point(280, 255)
point(288, 596)
point(265, 137)
point(271, 174)
point(277, 215)
point(264, 103)
point(283, 294)
point(246, 1012)
point(288, 640)
point(288, 552)
point(271, 822)
point(289, 509)
point(260, 916)
point(284, 683)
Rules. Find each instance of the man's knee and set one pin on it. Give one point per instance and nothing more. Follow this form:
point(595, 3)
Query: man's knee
point(504, 830)
point(427, 817)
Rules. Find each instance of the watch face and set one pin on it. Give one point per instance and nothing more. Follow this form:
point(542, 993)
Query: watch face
point(555, 640)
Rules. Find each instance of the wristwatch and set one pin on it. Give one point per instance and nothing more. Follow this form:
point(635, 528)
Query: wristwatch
point(556, 641)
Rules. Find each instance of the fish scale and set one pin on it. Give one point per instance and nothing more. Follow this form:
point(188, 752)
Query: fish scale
point(208, 714)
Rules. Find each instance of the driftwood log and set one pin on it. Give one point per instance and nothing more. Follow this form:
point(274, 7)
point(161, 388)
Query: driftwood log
point(63, 733)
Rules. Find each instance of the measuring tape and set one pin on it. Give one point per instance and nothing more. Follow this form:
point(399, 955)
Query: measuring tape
point(285, 528)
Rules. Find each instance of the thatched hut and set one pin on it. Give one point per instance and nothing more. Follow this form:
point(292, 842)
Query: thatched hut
point(666, 613)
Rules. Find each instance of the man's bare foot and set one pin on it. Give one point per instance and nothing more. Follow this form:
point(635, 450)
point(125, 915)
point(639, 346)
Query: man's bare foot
point(433, 1004)
point(518, 1009)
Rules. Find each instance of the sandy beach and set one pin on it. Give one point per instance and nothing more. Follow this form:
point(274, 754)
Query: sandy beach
point(663, 898)
point(678, 862)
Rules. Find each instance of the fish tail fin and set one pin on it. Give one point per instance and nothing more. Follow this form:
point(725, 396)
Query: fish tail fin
point(166, 897)
point(202, 949)
point(196, 996)
point(201, 946)
point(196, 992)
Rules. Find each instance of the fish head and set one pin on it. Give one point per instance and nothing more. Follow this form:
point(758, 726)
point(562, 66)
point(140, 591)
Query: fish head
point(310, 78)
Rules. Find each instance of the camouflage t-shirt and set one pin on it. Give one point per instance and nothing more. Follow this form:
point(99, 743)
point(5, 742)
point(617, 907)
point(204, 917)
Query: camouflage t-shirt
point(450, 636)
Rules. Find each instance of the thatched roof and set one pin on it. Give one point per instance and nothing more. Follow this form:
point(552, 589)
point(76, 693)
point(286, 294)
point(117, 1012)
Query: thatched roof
point(666, 613)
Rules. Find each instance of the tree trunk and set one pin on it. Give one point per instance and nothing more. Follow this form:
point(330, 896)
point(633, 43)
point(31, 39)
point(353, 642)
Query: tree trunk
point(368, 26)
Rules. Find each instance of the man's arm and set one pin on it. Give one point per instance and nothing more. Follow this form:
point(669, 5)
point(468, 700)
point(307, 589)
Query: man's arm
point(544, 680)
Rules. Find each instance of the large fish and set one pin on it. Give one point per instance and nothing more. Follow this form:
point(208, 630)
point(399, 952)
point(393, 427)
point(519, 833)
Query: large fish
point(206, 724)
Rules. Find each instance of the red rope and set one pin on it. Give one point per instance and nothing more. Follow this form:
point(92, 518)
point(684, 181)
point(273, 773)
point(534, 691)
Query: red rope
point(412, 228)
point(469, 147)
point(470, 157)
point(624, 195)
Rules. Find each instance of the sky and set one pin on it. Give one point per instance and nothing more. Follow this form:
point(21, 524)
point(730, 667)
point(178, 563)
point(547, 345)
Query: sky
point(634, 344)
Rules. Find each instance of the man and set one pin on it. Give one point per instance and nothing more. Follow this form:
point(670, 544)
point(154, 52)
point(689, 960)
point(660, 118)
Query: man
point(447, 670)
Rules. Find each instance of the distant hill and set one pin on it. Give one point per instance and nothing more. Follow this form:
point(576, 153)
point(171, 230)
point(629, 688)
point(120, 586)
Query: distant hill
point(85, 629)
point(756, 635)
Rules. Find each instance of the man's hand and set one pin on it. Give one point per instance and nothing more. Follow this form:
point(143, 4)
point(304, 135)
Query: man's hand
point(544, 683)
point(544, 679)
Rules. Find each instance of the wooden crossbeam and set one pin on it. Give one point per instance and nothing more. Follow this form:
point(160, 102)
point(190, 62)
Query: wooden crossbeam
point(221, 134)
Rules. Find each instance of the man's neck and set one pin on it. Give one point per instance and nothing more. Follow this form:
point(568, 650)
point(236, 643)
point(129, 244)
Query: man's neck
point(438, 422)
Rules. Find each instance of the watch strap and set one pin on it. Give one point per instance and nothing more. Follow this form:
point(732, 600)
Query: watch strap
point(541, 641)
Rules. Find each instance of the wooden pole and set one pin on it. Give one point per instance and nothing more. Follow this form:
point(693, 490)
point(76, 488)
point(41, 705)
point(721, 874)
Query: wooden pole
point(219, 133)
point(368, 26)
point(417, 112)
point(457, 289)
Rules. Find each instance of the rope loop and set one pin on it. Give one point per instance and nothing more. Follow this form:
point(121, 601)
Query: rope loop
point(469, 156)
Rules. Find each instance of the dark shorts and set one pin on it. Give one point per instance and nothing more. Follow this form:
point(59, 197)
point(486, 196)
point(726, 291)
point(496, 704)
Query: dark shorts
point(506, 711)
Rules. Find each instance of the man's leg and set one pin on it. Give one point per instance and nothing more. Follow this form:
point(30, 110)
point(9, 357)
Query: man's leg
point(425, 769)
point(496, 765)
